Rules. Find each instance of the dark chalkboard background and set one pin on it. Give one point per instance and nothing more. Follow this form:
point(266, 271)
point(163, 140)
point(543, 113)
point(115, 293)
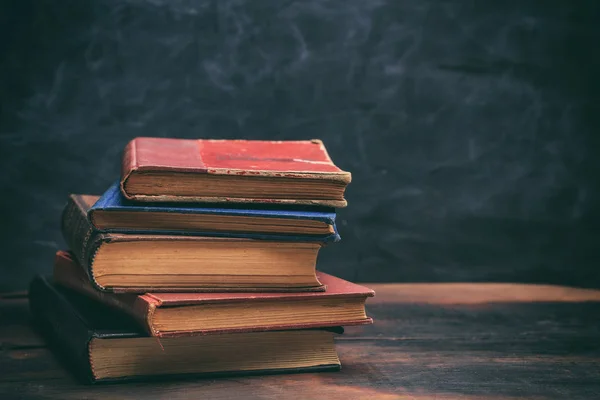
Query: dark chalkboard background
point(471, 128)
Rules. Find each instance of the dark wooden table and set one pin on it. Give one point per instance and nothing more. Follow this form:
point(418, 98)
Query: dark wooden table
point(429, 341)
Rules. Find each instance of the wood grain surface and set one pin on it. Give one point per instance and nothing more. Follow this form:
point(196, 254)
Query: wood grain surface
point(429, 341)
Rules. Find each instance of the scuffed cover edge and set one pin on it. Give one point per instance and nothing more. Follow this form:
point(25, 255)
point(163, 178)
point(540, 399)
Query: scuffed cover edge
point(214, 290)
point(265, 328)
point(129, 164)
point(203, 199)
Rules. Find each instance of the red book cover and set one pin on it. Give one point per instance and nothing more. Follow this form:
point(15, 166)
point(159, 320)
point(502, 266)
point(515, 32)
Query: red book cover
point(286, 163)
point(144, 307)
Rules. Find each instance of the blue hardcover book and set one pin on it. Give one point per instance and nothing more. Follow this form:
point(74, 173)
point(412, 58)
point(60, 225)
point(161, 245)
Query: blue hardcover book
point(113, 213)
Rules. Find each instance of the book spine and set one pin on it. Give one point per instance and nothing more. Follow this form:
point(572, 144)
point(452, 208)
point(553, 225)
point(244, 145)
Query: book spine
point(62, 325)
point(77, 231)
point(128, 165)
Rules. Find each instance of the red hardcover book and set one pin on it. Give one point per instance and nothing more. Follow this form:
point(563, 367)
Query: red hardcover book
point(177, 314)
point(234, 171)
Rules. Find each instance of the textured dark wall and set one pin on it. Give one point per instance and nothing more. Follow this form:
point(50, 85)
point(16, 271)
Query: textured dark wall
point(471, 128)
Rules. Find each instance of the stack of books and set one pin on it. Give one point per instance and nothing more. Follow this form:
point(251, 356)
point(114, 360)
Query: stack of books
point(202, 260)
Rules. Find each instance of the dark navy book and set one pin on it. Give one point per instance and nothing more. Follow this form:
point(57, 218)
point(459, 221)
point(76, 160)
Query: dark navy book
point(112, 212)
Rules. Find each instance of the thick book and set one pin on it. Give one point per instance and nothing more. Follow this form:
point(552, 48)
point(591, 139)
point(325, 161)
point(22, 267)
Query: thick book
point(176, 314)
point(141, 263)
point(114, 213)
point(232, 171)
point(102, 344)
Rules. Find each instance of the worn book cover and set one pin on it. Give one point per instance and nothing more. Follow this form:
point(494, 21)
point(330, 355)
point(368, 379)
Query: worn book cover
point(112, 212)
point(103, 344)
point(176, 314)
point(232, 171)
point(143, 263)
